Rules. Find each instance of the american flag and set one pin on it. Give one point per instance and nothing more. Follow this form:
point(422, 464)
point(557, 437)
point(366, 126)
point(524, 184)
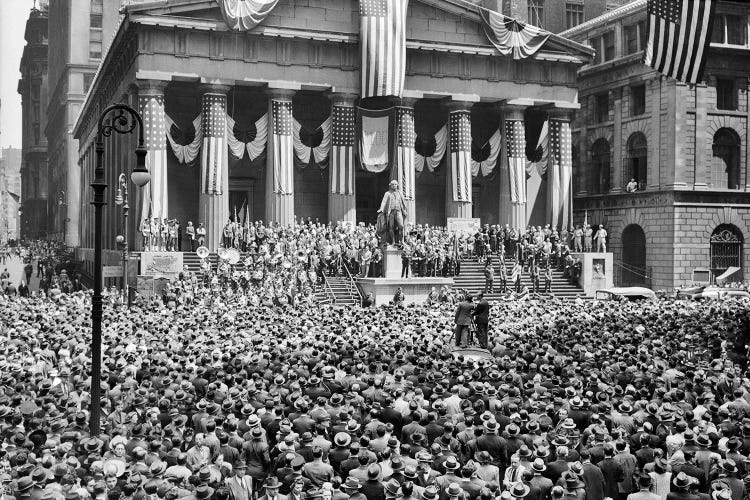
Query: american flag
point(460, 144)
point(404, 171)
point(214, 142)
point(516, 140)
point(553, 173)
point(283, 147)
point(342, 154)
point(565, 139)
point(155, 133)
point(383, 42)
point(679, 37)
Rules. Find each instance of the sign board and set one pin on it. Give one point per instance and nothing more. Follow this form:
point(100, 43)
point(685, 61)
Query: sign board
point(464, 226)
point(161, 264)
point(112, 271)
point(145, 286)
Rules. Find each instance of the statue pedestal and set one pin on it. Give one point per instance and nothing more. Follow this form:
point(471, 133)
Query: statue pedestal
point(391, 262)
point(597, 271)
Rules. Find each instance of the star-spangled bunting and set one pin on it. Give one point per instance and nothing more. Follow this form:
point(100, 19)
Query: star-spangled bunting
point(283, 153)
point(516, 139)
point(460, 150)
point(383, 43)
point(565, 140)
point(404, 171)
point(553, 173)
point(678, 37)
point(342, 150)
point(214, 143)
point(154, 127)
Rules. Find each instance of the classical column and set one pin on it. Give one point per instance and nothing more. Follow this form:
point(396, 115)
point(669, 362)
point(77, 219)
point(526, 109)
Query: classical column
point(280, 158)
point(214, 197)
point(560, 171)
point(616, 178)
point(515, 151)
point(403, 170)
point(458, 192)
point(155, 197)
point(342, 201)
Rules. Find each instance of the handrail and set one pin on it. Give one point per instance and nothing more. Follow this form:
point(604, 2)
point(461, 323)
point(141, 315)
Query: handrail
point(352, 283)
point(329, 293)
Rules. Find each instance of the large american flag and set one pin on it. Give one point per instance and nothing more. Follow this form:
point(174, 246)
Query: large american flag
point(553, 173)
point(283, 147)
point(155, 135)
point(516, 147)
point(404, 171)
point(342, 153)
point(214, 142)
point(460, 148)
point(565, 138)
point(383, 43)
point(679, 37)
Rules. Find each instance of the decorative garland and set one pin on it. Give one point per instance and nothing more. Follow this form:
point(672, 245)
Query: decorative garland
point(318, 153)
point(487, 166)
point(186, 153)
point(256, 147)
point(432, 162)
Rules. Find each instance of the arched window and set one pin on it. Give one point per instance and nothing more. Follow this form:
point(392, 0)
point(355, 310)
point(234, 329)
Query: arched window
point(636, 163)
point(599, 179)
point(633, 256)
point(726, 249)
point(725, 164)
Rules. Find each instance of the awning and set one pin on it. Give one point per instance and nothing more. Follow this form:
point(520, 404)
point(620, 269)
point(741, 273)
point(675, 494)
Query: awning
point(727, 274)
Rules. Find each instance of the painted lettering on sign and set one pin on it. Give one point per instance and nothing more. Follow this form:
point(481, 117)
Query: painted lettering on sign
point(375, 140)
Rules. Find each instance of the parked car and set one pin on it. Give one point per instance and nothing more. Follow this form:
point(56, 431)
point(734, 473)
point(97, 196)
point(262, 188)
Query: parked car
point(711, 292)
point(630, 293)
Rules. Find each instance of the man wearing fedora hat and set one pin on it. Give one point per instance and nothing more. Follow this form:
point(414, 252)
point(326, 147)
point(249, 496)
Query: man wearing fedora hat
point(271, 487)
point(728, 479)
point(240, 485)
point(644, 489)
point(681, 486)
point(373, 487)
point(352, 488)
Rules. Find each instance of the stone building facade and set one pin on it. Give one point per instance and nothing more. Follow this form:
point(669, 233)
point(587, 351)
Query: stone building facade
point(33, 90)
point(685, 147)
point(174, 59)
point(11, 211)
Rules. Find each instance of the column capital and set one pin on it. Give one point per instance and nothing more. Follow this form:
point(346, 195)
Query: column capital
point(151, 87)
point(406, 102)
point(560, 114)
point(454, 106)
point(280, 94)
point(343, 99)
point(215, 88)
point(513, 111)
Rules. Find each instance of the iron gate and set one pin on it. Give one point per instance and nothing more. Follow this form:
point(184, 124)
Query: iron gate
point(726, 249)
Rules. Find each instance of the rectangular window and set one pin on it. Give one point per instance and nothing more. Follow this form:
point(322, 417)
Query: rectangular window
point(730, 30)
point(95, 20)
point(536, 13)
point(609, 46)
point(726, 94)
point(596, 44)
point(631, 39)
point(602, 107)
point(642, 35)
point(95, 50)
point(573, 14)
point(637, 100)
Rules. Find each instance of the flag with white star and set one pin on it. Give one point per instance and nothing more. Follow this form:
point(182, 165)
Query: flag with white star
point(382, 38)
point(283, 147)
point(460, 155)
point(342, 150)
point(516, 148)
point(155, 136)
point(214, 150)
point(404, 168)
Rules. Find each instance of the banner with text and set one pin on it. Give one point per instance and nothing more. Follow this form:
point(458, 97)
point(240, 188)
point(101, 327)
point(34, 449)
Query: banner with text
point(377, 139)
point(161, 264)
point(464, 225)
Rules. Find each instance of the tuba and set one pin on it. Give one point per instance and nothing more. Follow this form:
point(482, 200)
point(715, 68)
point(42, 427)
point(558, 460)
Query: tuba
point(301, 256)
point(202, 252)
point(222, 252)
point(232, 256)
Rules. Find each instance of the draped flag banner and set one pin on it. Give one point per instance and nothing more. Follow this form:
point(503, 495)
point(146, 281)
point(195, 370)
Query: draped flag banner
point(432, 161)
point(543, 144)
point(185, 153)
point(516, 149)
point(377, 141)
point(254, 148)
point(404, 168)
point(460, 148)
point(553, 174)
point(679, 34)
point(320, 152)
point(565, 159)
point(487, 166)
point(244, 15)
point(152, 110)
point(283, 147)
point(214, 142)
point(382, 38)
point(342, 150)
point(510, 36)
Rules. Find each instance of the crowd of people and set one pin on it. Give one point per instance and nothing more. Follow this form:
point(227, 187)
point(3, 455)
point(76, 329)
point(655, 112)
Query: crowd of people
point(578, 400)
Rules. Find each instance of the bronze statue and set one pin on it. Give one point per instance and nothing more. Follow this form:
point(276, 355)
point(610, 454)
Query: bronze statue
point(391, 216)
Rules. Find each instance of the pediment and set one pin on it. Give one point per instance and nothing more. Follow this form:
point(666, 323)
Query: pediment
point(454, 25)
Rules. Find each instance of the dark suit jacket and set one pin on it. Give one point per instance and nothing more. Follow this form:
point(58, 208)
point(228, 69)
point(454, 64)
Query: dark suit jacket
point(373, 490)
point(613, 474)
point(463, 313)
point(594, 481)
point(482, 312)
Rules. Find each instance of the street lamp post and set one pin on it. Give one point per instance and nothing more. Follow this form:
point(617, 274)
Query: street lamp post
point(122, 200)
point(63, 204)
point(124, 121)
